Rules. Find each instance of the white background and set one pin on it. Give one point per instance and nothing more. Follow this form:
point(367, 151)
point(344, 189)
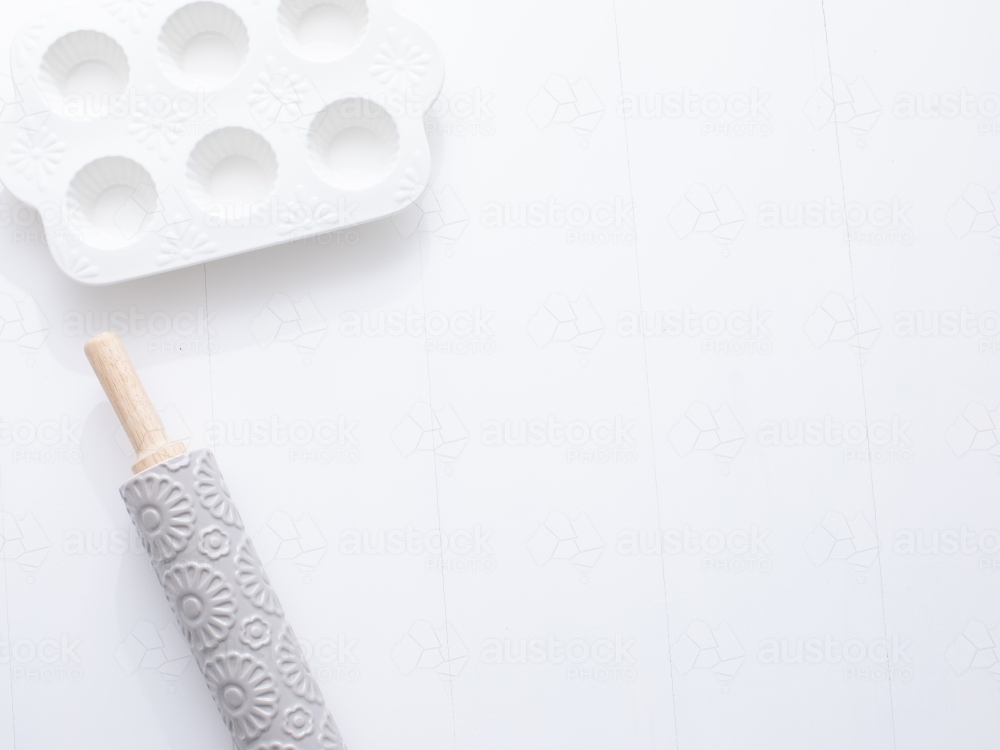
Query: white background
point(830, 630)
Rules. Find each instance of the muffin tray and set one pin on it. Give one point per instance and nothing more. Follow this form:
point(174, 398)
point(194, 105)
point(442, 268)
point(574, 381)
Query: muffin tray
point(156, 134)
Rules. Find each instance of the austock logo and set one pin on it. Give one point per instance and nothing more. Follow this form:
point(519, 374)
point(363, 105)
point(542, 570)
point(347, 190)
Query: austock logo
point(950, 105)
point(456, 551)
point(977, 211)
point(702, 211)
point(840, 540)
point(182, 113)
point(456, 114)
point(736, 114)
point(426, 647)
point(439, 432)
point(291, 321)
point(878, 223)
point(862, 659)
point(977, 429)
point(22, 542)
point(45, 660)
point(704, 647)
point(609, 222)
point(298, 541)
point(295, 218)
point(46, 441)
point(573, 540)
point(736, 332)
point(841, 102)
point(437, 213)
point(880, 441)
point(839, 320)
point(456, 332)
point(734, 551)
point(184, 332)
point(161, 650)
point(702, 429)
point(333, 658)
point(976, 648)
point(561, 320)
point(564, 102)
point(949, 324)
point(120, 541)
point(22, 323)
point(324, 442)
point(603, 441)
point(591, 660)
point(954, 541)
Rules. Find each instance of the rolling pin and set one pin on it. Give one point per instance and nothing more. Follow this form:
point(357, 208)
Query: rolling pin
point(213, 577)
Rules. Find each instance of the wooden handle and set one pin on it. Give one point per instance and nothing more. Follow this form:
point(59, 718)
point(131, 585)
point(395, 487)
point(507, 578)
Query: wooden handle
point(127, 395)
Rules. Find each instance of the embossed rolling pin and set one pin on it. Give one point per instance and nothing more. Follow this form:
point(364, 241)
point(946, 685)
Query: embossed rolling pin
point(213, 577)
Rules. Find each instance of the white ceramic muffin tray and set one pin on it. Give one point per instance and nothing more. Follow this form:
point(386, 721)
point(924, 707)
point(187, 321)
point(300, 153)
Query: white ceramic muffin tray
point(156, 134)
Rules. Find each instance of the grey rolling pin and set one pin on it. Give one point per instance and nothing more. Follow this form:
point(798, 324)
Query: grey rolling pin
point(213, 577)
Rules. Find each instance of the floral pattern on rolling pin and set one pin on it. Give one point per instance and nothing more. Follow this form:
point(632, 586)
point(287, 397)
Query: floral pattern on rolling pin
point(329, 735)
point(177, 463)
point(203, 603)
point(212, 490)
point(226, 608)
point(253, 580)
point(298, 722)
point(256, 632)
point(244, 692)
point(213, 543)
point(162, 513)
point(294, 670)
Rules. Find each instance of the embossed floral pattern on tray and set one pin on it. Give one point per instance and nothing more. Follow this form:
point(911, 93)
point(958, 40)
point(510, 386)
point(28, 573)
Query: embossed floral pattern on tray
point(400, 62)
point(36, 154)
point(130, 12)
point(180, 246)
